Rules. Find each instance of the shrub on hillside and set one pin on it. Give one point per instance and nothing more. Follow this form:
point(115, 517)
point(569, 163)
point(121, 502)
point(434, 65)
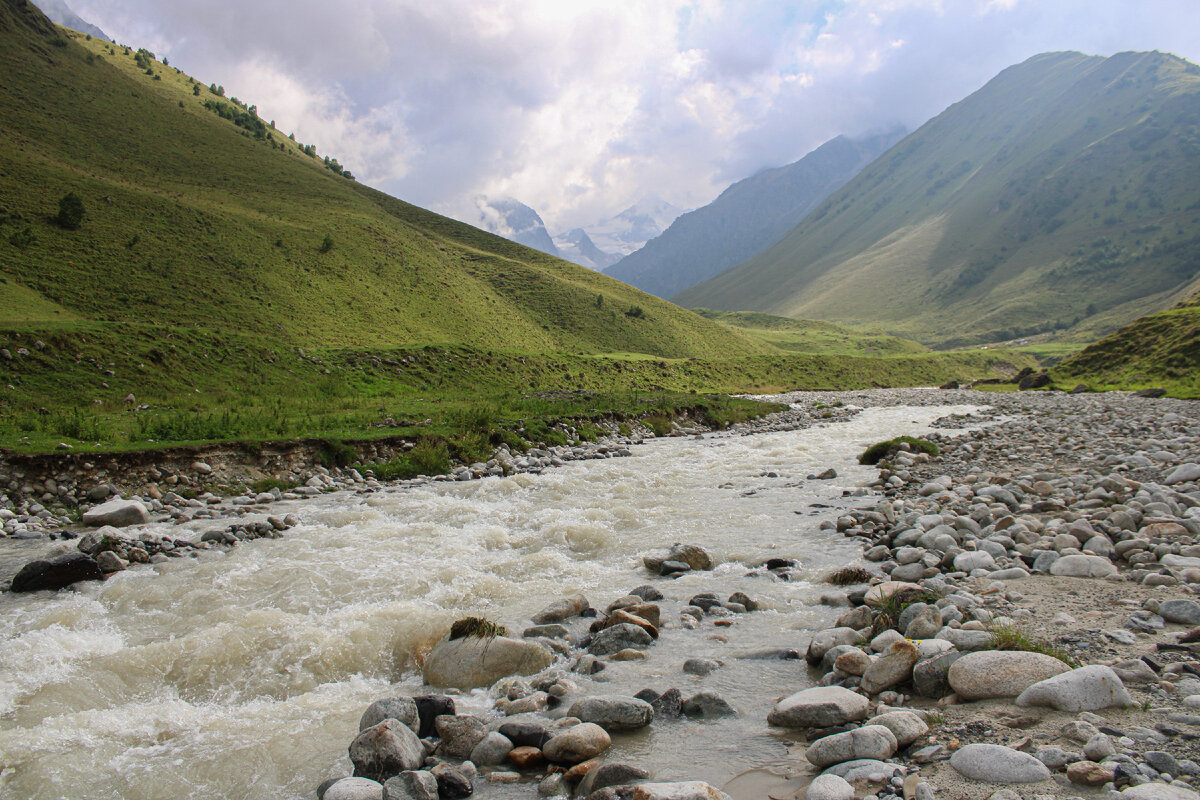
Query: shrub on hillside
point(70, 212)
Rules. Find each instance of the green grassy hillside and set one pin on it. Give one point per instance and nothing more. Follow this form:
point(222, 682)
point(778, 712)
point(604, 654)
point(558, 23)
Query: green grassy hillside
point(812, 336)
point(213, 218)
point(1064, 194)
point(1161, 349)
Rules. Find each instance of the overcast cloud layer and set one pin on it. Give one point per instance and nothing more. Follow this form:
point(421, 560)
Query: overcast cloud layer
point(581, 108)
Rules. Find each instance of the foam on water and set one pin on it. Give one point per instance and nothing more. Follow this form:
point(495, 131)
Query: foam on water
point(243, 675)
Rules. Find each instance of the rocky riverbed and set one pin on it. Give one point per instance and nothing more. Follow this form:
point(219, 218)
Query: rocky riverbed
point(1067, 527)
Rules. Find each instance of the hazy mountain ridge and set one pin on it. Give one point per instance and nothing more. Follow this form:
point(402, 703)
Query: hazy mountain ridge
point(515, 221)
point(60, 13)
point(1063, 191)
point(747, 217)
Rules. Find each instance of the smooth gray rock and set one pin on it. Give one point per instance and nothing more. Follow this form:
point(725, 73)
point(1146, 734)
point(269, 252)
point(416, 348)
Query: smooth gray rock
point(968, 641)
point(476, 661)
point(400, 708)
point(1000, 673)
point(1083, 567)
point(925, 624)
point(862, 769)
point(829, 787)
point(906, 726)
point(613, 713)
point(819, 707)
point(385, 750)
point(1157, 790)
point(891, 669)
point(560, 610)
point(1182, 611)
point(684, 790)
point(118, 513)
point(492, 750)
point(869, 741)
point(610, 774)
point(1184, 473)
point(824, 641)
point(411, 785)
point(974, 559)
point(354, 789)
point(616, 638)
point(995, 763)
point(1085, 689)
point(930, 675)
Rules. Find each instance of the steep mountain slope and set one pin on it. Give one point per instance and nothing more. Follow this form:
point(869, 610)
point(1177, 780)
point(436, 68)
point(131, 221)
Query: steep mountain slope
point(1161, 349)
point(629, 230)
point(1065, 190)
point(746, 218)
point(199, 214)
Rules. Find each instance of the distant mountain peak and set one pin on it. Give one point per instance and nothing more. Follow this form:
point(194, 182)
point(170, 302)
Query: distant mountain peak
point(509, 217)
point(61, 14)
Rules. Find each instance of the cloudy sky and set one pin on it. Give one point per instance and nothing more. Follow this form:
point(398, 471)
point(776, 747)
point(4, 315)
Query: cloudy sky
point(580, 108)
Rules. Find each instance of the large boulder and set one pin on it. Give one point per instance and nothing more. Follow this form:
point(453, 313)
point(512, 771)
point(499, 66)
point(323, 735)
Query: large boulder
point(475, 661)
point(684, 790)
point(1000, 673)
point(616, 638)
point(819, 707)
point(56, 572)
point(1083, 567)
point(613, 713)
point(1088, 688)
point(354, 789)
point(869, 741)
point(386, 750)
point(694, 556)
point(560, 610)
point(118, 513)
point(906, 726)
point(398, 708)
point(993, 763)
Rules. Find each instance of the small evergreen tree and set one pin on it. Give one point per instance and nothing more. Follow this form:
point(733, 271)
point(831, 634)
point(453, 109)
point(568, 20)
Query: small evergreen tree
point(70, 212)
point(326, 244)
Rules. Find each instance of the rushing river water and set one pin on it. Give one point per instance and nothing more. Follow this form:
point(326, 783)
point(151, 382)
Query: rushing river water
point(244, 675)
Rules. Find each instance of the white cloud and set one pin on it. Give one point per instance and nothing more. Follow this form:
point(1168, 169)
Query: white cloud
point(580, 108)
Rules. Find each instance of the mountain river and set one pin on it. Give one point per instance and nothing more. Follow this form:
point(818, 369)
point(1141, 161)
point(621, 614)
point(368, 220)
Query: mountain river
point(243, 675)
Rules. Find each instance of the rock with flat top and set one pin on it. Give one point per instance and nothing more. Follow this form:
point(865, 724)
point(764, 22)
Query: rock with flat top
point(819, 707)
point(1000, 673)
point(1085, 689)
point(475, 661)
point(118, 513)
point(993, 763)
point(869, 741)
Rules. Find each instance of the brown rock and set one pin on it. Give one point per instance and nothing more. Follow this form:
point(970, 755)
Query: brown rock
point(647, 611)
point(1089, 773)
point(526, 757)
point(621, 615)
point(576, 773)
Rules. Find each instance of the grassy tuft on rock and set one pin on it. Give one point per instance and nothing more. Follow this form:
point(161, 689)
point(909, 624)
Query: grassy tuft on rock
point(476, 626)
point(882, 450)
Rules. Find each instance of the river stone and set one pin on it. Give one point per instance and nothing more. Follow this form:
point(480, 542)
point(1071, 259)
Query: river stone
point(930, 675)
point(563, 609)
point(617, 638)
point(1000, 673)
point(829, 787)
point(974, 559)
point(56, 572)
point(118, 513)
point(891, 669)
point(685, 790)
point(852, 662)
point(459, 734)
point(1085, 689)
point(925, 625)
point(411, 785)
point(453, 783)
point(1083, 567)
point(694, 556)
point(1182, 562)
point(1158, 791)
point(354, 789)
point(1185, 612)
point(819, 707)
point(708, 705)
point(906, 726)
point(1089, 773)
point(967, 641)
point(623, 617)
point(613, 774)
point(993, 763)
point(909, 572)
point(577, 743)
point(863, 769)
point(824, 641)
point(1184, 473)
point(613, 713)
point(492, 750)
point(400, 708)
point(880, 592)
point(476, 661)
point(869, 741)
point(108, 562)
point(429, 708)
point(385, 750)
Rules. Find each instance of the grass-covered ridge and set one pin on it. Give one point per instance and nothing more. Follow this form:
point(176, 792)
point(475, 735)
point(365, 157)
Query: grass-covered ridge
point(811, 335)
point(1062, 196)
point(197, 212)
point(1158, 350)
